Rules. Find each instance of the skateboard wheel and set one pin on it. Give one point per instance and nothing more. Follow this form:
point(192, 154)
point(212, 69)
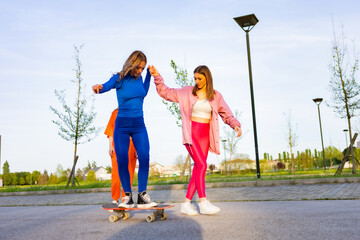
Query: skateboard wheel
point(150, 218)
point(113, 218)
point(126, 216)
point(164, 216)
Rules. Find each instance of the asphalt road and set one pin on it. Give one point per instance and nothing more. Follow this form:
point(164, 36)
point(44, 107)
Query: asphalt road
point(319, 219)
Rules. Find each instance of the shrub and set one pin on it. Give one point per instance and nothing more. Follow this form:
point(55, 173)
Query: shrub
point(91, 177)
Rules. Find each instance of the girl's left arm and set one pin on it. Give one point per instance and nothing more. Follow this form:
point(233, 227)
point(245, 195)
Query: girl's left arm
point(227, 116)
point(147, 81)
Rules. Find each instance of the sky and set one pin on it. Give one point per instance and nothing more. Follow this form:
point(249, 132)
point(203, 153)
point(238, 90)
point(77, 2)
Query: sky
point(290, 57)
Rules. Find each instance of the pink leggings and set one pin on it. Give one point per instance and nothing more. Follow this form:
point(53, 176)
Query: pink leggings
point(198, 152)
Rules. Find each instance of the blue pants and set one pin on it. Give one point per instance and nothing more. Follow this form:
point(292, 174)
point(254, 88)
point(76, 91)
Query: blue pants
point(126, 127)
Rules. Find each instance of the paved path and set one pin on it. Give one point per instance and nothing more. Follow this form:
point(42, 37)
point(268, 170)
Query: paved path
point(340, 191)
point(266, 212)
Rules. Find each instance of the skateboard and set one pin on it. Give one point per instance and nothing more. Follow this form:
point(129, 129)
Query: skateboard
point(122, 213)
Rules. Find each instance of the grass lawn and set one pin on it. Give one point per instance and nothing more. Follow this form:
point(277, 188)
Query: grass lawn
point(215, 177)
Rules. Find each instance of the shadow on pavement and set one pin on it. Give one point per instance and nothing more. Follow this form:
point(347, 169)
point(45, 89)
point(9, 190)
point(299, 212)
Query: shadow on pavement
point(174, 227)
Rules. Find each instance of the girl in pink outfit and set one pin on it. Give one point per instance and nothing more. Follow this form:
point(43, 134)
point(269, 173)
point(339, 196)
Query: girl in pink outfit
point(200, 106)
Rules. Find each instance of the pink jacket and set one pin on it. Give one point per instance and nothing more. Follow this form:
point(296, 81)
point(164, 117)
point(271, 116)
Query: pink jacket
point(186, 101)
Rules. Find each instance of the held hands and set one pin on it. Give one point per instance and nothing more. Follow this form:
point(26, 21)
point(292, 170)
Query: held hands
point(97, 88)
point(238, 130)
point(153, 71)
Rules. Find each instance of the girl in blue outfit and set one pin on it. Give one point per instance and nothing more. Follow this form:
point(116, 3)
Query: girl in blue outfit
point(131, 91)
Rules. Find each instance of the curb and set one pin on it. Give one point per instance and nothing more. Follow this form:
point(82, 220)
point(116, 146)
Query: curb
point(257, 183)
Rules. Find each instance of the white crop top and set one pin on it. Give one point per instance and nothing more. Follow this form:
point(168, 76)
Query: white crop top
point(202, 109)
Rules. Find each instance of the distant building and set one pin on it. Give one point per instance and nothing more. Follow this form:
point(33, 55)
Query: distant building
point(240, 164)
point(100, 173)
point(153, 168)
point(169, 171)
point(1, 182)
point(163, 171)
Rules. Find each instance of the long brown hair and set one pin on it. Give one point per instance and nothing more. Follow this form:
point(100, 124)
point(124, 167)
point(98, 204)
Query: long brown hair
point(132, 62)
point(204, 70)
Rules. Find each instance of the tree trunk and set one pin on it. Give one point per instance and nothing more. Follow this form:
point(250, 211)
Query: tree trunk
point(77, 122)
point(346, 157)
point(187, 161)
point(347, 110)
point(72, 173)
point(350, 134)
point(351, 149)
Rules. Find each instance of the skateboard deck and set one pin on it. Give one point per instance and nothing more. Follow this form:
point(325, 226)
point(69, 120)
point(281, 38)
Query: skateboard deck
point(122, 213)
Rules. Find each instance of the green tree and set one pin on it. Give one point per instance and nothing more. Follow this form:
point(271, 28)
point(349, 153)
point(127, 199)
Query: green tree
point(59, 170)
point(76, 123)
point(61, 174)
point(357, 155)
point(181, 80)
point(79, 174)
point(44, 178)
point(93, 165)
point(231, 140)
point(291, 138)
point(108, 169)
point(284, 157)
point(21, 176)
point(344, 88)
point(180, 162)
point(265, 166)
point(91, 177)
point(14, 179)
point(28, 178)
point(22, 181)
point(35, 176)
point(333, 155)
point(88, 167)
point(6, 174)
point(297, 159)
point(53, 179)
point(64, 176)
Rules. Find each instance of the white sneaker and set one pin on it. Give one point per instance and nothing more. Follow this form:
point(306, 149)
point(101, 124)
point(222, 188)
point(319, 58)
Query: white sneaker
point(188, 209)
point(207, 208)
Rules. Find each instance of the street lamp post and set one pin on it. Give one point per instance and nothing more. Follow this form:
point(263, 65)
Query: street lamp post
point(247, 23)
point(345, 131)
point(224, 141)
point(317, 102)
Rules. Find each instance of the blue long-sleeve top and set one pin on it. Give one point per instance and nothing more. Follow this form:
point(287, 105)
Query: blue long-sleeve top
point(130, 93)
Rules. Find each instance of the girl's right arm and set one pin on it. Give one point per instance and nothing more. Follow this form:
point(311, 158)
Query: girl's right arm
point(169, 94)
point(111, 146)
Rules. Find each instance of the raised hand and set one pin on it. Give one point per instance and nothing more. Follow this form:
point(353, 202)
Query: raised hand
point(153, 71)
point(97, 88)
